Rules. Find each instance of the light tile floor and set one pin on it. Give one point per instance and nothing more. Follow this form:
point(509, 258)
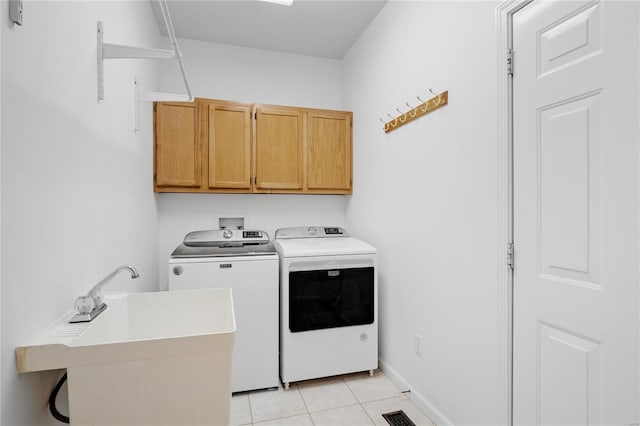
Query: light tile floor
point(350, 400)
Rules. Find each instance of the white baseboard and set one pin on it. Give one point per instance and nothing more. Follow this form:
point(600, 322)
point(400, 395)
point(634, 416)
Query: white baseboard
point(423, 403)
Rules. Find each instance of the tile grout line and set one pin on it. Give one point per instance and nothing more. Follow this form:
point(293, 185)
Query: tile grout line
point(282, 418)
point(384, 399)
point(350, 390)
point(400, 394)
point(373, 422)
point(305, 405)
point(308, 413)
point(250, 408)
point(324, 410)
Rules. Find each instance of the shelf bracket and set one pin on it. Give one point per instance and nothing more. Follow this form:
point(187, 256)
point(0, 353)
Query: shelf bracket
point(143, 96)
point(116, 51)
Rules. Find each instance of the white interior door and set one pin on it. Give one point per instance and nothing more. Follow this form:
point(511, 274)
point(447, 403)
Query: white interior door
point(576, 215)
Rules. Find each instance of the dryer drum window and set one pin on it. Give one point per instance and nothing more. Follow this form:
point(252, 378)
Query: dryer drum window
point(330, 298)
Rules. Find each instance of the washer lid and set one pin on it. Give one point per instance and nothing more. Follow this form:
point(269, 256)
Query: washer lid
point(184, 251)
point(302, 247)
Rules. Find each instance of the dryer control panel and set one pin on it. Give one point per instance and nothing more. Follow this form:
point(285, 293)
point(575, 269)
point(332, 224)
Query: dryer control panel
point(311, 232)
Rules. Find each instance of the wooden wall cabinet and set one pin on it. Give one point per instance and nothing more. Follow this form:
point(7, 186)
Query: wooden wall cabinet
point(177, 150)
point(278, 149)
point(227, 135)
point(302, 150)
point(222, 146)
point(202, 146)
point(329, 151)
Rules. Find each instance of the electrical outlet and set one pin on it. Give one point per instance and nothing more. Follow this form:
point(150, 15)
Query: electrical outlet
point(417, 343)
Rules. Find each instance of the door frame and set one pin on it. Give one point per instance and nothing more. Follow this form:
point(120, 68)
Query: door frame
point(504, 26)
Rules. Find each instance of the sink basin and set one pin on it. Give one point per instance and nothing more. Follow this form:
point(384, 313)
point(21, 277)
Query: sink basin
point(149, 358)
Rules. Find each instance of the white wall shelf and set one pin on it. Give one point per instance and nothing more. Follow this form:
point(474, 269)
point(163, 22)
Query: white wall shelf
point(116, 51)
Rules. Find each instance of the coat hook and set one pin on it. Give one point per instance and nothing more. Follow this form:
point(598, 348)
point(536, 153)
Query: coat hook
point(383, 122)
point(435, 94)
point(413, 111)
point(425, 104)
point(403, 116)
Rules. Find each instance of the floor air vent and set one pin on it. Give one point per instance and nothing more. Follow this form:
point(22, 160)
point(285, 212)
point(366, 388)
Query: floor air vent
point(398, 418)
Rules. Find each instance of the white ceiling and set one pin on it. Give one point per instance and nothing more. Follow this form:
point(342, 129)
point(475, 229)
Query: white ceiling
point(324, 28)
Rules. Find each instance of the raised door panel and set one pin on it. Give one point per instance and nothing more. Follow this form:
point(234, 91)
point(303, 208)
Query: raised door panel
point(229, 145)
point(329, 151)
point(279, 148)
point(569, 215)
point(568, 377)
point(177, 149)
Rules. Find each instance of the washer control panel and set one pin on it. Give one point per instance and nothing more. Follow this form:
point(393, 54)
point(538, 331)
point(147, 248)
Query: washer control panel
point(225, 236)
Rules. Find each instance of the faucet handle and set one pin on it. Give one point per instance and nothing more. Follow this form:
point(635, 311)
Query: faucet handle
point(85, 304)
point(97, 299)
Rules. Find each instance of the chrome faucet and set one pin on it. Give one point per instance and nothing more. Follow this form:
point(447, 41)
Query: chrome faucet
point(90, 306)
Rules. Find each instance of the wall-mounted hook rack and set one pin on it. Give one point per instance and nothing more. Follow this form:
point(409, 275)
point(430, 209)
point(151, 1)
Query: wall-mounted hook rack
point(424, 108)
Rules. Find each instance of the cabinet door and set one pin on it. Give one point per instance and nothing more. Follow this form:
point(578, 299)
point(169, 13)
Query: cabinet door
point(229, 144)
point(178, 161)
point(278, 149)
point(329, 151)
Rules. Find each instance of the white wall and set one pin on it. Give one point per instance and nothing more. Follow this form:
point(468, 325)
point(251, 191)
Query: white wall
point(234, 73)
point(77, 196)
point(426, 196)
point(253, 76)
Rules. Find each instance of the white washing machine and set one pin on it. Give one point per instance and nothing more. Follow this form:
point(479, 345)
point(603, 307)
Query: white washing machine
point(246, 262)
point(328, 303)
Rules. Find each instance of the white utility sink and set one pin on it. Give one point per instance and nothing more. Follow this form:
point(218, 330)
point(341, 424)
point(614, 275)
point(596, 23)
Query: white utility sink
point(149, 358)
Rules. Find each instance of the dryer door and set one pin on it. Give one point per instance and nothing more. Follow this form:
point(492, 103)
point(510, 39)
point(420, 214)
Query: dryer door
point(331, 298)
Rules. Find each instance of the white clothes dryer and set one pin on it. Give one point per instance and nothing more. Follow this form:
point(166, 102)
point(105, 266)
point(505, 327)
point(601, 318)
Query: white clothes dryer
point(328, 303)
